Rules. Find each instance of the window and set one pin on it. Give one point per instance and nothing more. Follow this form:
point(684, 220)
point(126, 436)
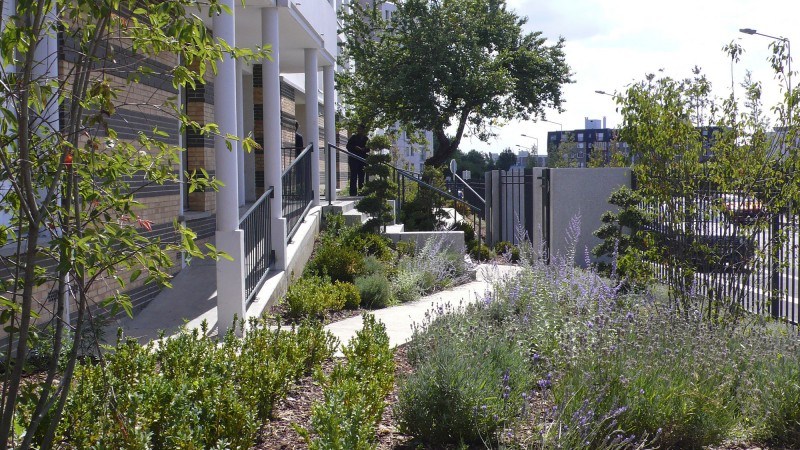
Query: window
point(580, 145)
point(599, 137)
point(580, 137)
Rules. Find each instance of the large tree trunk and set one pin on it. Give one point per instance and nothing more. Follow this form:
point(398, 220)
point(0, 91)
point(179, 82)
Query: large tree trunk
point(444, 151)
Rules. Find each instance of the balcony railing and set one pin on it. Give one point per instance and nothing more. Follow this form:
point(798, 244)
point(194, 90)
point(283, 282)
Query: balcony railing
point(258, 254)
point(298, 191)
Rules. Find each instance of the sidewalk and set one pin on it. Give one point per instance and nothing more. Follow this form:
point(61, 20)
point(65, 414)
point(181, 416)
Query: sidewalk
point(398, 319)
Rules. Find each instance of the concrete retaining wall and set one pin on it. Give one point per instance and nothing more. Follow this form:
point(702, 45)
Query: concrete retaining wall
point(453, 240)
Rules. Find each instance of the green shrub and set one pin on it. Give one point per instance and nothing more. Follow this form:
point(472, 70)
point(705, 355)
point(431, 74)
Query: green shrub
point(348, 292)
point(478, 251)
point(375, 245)
point(354, 393)
point(407, 285)
point(375, 291)
point(374, 265)
point(312, 296)
point(406, 248)
point(463, 390)
point(769, 364)
point(507, 250)
point(469, 231)
point(337, 261)
point(178, 395)
point(189, 391)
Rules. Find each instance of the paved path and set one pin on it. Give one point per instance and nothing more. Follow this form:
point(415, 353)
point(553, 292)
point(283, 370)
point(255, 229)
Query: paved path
point(398, 319)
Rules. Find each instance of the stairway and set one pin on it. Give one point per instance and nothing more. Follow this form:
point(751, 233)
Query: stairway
point(396, 232)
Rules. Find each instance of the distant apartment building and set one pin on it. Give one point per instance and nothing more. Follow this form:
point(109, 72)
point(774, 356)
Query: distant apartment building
point(578, 146)
point(411, 155)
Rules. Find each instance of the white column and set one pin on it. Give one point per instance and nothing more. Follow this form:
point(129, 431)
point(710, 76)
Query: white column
point(240, 130)
point(229, 238)
point(272, 132)
point(312, 117)
point(330, 130)
point(249, 128)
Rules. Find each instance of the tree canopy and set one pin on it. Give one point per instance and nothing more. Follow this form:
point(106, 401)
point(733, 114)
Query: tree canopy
point(505, 160)
point(439, 63)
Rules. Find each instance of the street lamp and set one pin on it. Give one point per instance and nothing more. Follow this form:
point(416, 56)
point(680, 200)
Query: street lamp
point(560, 128)
point(531, 137)
point(789, 61)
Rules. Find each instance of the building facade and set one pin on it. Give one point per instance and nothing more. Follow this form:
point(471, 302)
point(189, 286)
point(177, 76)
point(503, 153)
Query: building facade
point(262, 98)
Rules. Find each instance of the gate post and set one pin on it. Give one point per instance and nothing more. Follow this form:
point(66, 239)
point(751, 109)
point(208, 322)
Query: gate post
point(546, 212)
point(527, 198)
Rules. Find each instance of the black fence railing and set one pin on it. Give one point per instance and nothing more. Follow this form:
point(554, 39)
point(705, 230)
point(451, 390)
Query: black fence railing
point(730, 247)
point(411, 183)
point(298, 190)
point(258, 254)
point(289, 154)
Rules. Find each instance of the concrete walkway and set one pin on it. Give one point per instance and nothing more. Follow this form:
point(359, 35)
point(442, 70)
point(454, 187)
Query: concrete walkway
point(399, 319)
point(193, 298)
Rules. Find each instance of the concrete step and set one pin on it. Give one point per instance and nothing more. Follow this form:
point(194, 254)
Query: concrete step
point(354, 217)
point(396, 228)
point(339, 206)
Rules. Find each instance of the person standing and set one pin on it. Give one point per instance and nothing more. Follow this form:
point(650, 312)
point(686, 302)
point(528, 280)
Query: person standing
point(357, 145)
point(298, 140)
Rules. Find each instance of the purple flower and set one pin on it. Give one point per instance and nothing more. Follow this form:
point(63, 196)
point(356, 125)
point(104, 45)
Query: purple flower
point(629, 316)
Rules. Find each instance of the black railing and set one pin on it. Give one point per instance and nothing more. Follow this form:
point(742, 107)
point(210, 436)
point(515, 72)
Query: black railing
point(298, 190)
point(258, 254)
point(470, 213)
point(734, 248)
point(289, 154)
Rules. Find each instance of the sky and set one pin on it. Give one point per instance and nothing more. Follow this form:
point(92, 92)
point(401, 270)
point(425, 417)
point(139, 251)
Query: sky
point(613, 43)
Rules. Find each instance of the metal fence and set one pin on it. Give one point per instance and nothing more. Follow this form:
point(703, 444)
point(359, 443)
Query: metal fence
point(727, 246)
point(298, 190)
point(258, 254)
point(510, 204)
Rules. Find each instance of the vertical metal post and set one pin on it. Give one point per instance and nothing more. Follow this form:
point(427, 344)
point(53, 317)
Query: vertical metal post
point(775, 252)
point(546, 211)
point(528, 199)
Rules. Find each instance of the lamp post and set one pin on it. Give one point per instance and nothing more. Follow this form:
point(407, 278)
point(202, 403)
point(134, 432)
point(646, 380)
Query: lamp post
point(789, 61)
point(531, 137)
point(560, 128)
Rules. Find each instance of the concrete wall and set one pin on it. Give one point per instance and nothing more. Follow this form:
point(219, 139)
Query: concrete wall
point(452, 240)
point(582, 192)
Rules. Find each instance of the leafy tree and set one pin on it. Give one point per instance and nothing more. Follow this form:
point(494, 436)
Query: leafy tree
point(505, 160)
point(559, 155)
point(73, 216)
point(437, 64)
point(474, 161)
point(663, 122)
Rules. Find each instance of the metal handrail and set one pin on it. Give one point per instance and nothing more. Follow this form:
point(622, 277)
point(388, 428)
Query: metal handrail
point(255, 205)
point(411, 175)
point(470, 188)
point(258, 254)
point(296, 204)
point(300, 156)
